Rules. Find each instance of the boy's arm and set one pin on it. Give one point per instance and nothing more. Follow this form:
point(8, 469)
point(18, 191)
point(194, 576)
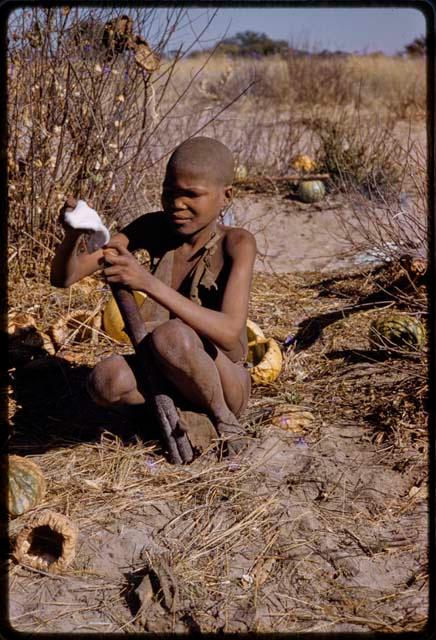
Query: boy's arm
point(72, 262)
point(222, 327)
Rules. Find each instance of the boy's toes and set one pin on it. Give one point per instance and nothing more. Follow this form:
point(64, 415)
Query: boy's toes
point(235, 446)
point(233, 439)
point(229, 427)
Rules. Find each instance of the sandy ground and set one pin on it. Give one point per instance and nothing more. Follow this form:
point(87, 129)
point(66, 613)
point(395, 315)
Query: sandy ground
point(320, 529)
point(338, 556)
point(293, 236)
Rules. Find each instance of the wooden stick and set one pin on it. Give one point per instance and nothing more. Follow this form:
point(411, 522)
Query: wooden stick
point(179, 448)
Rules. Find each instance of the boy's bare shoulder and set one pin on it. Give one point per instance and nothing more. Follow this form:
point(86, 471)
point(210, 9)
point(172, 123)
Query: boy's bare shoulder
point(236, 239)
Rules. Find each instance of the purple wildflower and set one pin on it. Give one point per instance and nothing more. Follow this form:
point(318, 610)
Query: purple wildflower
point(301, 443)
point(289, 341)
point(151, 465)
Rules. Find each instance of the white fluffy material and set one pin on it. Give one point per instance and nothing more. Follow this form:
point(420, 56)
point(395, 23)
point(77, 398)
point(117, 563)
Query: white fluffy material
point(83, 217)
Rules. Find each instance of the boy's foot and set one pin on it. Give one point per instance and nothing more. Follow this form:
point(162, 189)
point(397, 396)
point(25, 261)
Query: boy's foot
point(232, 436)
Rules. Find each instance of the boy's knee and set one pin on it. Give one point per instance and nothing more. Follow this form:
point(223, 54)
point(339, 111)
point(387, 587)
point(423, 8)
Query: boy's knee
point(107, 381)
point(174, 339)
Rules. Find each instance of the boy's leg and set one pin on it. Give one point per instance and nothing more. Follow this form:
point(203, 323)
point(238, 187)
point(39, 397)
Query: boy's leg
point(202, 374)
point(211, 382)
point(112, 382)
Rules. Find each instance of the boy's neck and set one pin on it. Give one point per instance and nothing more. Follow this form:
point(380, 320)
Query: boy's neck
point(198, 240)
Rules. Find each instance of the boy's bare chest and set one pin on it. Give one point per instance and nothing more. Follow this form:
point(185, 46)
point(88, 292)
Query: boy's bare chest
point(186, 267)
point(183, 266)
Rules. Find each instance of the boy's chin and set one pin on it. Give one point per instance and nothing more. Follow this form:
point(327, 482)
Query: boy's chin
point(182, 231)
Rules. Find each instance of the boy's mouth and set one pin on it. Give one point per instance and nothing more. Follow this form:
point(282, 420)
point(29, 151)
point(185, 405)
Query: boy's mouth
point(177, 219)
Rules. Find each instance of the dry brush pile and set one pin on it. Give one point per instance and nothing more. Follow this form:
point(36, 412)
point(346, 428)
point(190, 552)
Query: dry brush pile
point(92, 113)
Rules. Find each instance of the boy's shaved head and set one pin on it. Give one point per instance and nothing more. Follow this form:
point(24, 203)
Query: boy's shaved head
point(205, 156)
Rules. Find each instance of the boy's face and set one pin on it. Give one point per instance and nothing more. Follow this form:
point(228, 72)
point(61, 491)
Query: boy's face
point(192, 200)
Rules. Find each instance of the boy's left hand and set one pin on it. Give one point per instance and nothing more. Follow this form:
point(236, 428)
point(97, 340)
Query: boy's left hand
point(124, 268)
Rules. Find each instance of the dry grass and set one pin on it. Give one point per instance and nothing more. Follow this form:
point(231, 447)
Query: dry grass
point(395, 84)
point(243, 542)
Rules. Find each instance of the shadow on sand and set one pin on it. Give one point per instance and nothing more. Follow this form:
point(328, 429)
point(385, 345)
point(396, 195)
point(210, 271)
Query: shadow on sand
point(53, 408)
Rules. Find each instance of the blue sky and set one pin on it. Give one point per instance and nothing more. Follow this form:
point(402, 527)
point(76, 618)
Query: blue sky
point(356, 29)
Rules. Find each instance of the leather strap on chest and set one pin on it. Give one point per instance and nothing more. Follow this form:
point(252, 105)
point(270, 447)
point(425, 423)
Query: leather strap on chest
point(204, 274)
point(153, 312)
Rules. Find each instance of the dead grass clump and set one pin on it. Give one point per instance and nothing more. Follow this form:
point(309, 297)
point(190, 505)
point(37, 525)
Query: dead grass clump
point(400, 418)
point(318, 80)
point(359, 154)
point(394, 85)
point(223, 77)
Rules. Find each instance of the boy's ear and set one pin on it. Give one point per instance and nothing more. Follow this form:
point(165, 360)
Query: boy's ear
point(228, 192)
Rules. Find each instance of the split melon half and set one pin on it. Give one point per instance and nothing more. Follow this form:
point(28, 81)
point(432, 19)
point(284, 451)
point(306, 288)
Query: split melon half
point(264, 355)
point(113, 323)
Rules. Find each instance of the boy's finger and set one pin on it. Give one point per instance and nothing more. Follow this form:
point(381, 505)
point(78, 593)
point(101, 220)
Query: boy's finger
point(119, 247)
point(114, 258)
point(111, 271)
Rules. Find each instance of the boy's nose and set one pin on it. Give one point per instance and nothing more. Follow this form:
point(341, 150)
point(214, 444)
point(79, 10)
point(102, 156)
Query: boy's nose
point(179, 203)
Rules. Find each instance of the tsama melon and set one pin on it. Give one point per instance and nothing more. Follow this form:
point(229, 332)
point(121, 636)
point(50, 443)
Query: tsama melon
point(113, 323)
point(398, 331)
point(26, 485)
point(311, 190)
point(241, 172)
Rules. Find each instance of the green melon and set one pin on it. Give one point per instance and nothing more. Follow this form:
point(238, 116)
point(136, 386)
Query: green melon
point(26, 485)
point(311, 190)
point(397, 331)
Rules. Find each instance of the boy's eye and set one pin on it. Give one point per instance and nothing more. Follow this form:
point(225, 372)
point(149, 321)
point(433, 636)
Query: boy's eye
point(174, 193)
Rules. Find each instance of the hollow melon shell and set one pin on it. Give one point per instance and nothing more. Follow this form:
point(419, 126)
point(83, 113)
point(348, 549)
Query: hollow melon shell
point(264, 354)
point(113, 323)
point(26, 485)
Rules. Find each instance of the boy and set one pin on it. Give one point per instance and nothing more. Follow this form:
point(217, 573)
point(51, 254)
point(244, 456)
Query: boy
point(201, 346)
